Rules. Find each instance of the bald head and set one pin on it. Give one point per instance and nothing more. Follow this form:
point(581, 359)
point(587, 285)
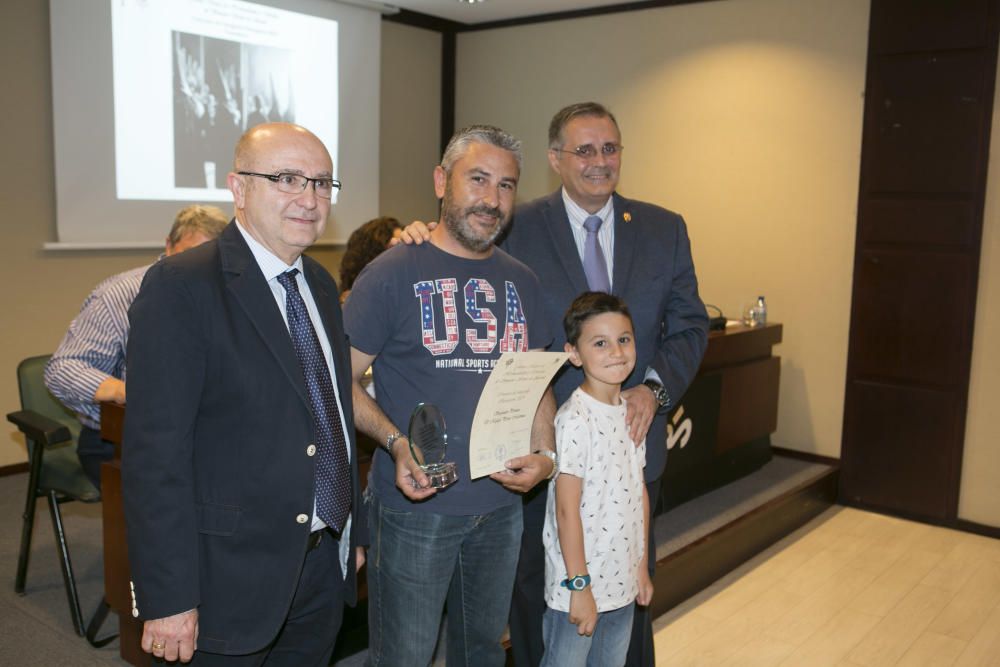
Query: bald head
point(259, 137)
point(269, 203)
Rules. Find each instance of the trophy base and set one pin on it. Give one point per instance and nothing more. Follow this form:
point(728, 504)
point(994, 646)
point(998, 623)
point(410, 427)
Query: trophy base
point(441, 474)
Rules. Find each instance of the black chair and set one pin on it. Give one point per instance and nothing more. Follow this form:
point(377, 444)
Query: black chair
point(51, 431)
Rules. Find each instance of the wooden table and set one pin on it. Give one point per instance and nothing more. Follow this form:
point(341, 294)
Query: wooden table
point(117, 574)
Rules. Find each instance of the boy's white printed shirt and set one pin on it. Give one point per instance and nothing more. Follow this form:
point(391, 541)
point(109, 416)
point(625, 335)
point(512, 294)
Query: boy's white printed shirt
point(593, 444)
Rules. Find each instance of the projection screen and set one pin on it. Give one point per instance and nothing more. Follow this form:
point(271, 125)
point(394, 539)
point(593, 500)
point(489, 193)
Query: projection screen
point(150, 97)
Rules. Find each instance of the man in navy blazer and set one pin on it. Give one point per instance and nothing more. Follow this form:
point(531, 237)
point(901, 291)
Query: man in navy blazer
point(647, 256)
point(221, 448)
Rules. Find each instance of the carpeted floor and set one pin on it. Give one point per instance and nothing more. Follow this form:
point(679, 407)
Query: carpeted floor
point(35, 629)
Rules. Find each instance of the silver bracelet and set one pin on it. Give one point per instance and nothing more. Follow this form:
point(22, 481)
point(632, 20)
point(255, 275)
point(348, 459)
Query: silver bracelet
point(390, 441)
point(555, 460)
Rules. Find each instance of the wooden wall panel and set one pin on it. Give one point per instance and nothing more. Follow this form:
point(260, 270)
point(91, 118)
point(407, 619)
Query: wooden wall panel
point(904, 428)
point(926, 122)
point(905, 303)
point(924, 156)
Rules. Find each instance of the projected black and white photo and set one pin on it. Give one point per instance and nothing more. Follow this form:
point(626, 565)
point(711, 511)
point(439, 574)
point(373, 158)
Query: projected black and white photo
point(190, 76)
point(145, 92)
point(221, 89)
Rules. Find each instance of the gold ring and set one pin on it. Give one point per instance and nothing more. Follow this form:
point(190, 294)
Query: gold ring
point(159, 646)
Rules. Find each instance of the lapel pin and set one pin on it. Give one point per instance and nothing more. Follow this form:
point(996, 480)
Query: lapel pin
point(627, 216)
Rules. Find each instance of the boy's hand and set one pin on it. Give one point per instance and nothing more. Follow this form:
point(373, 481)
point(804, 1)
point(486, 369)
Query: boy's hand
point(645, 595)
point(583, 611)
point(415, 233)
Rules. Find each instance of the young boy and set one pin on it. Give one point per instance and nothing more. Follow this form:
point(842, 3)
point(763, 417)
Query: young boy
point(595, 521)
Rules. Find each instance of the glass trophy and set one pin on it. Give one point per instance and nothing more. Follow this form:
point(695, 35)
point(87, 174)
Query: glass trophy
point(429, 445)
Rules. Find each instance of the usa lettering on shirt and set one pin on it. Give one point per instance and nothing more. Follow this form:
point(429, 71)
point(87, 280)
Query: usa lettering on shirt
point(439, 302)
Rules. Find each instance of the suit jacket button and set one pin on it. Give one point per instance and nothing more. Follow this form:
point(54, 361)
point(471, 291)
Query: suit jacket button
point(311, 450)
point(302, 518)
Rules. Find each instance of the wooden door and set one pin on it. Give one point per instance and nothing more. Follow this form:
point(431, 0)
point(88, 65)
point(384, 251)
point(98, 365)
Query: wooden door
point(928, 109)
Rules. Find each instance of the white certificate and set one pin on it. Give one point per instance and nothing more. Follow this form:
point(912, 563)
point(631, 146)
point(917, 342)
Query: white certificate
point(501, 428)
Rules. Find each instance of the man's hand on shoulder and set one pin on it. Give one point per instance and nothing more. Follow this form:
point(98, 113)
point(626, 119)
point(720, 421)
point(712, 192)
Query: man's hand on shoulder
point(172, 638)
point(524, 472)
point(415, 233)
point(640, 408)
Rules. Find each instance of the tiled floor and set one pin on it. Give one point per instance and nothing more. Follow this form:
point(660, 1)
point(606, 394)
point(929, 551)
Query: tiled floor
point(850, 589)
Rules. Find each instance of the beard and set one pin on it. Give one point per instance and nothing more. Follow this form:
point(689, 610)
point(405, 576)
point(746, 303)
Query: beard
point(456, 220)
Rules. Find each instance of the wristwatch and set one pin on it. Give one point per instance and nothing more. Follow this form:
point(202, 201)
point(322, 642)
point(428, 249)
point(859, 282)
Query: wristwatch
point(577, 583)
point(390, 441)
point(662, 397)
point(555, 460)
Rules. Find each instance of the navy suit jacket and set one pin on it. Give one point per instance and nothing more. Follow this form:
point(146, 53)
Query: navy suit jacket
point(653, 274)
point(215, 471)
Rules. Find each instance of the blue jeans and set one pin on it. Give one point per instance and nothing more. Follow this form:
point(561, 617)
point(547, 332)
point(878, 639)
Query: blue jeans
point(607, 647)
point(417, 562)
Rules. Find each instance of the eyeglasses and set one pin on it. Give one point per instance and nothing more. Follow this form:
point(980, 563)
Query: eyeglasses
point(589, 151)
point(293, 184)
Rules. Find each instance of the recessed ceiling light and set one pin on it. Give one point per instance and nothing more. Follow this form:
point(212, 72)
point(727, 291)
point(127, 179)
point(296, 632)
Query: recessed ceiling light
point(470, 2)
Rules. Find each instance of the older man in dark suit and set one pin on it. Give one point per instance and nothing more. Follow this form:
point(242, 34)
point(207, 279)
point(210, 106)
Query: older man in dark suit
point(587, 236)
point(240, 477)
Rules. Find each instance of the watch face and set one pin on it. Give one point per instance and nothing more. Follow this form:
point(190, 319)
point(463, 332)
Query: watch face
point(578, 584)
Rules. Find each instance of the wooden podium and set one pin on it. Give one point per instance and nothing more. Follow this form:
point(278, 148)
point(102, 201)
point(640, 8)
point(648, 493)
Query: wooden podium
point(721, 428)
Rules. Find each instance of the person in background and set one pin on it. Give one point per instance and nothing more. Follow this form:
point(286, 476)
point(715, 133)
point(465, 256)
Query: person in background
point(88, 367)
point(595, 522)
point(239, 473)
point(365, 244)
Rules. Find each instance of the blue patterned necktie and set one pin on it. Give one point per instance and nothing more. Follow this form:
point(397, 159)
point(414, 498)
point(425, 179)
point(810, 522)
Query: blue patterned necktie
point(593, 257)
point(333, 480)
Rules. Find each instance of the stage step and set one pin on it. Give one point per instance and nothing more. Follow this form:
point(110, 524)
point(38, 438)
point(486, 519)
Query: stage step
point(705, 538)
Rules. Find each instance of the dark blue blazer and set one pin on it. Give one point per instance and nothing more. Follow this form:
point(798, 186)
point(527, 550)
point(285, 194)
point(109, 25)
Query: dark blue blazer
point(215, 470)
point(653, 274)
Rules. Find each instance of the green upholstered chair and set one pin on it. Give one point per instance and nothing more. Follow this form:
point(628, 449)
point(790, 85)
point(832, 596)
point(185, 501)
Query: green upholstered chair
point(50, 431)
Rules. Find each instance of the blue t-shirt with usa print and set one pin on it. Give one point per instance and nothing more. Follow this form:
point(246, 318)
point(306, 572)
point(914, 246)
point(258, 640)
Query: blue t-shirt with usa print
point(437, 324)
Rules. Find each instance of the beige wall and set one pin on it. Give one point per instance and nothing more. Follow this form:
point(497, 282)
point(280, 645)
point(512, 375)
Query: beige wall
point(411, 120)
point(979, 499)
point(745, 117)
point(44, 290)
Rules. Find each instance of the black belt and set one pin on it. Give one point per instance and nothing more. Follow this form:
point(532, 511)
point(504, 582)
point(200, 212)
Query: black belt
point(316, 537)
